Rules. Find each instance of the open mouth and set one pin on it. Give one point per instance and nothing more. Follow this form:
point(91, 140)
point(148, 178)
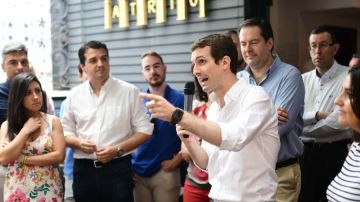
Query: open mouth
point(202, 81)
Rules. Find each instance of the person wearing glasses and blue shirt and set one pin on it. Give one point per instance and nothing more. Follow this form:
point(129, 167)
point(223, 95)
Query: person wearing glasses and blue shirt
point(325, 141)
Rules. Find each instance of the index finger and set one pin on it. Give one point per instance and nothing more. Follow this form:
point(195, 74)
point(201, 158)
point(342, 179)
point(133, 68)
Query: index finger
point(149, 96)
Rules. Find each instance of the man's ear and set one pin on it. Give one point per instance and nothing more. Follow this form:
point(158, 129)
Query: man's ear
point(336, 48)
point(82, 66)
point(270, 43)
point(226, 61)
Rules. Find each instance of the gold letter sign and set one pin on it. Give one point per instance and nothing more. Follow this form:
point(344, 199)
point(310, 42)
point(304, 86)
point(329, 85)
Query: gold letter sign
point(141, 9)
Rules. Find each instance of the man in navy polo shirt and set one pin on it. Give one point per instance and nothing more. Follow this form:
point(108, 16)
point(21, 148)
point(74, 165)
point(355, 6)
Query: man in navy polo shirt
point(156, 162)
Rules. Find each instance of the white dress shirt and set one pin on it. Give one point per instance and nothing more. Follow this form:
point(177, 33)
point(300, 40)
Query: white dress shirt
point(107, 119)
point(243, 167)
point(320, 95)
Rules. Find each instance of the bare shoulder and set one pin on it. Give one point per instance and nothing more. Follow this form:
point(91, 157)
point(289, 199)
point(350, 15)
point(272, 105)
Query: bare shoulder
point(3, 130)
point(55, 121)
point(4, 125)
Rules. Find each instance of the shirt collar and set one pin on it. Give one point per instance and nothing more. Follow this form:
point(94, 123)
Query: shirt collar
point(106, 85)
point(329, 74)
point(275, 65)
point(166, 91)
point(7, 83)
point(232, 93)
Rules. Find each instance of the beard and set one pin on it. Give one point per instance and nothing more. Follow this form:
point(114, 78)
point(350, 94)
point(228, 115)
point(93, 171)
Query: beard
point(156, 82)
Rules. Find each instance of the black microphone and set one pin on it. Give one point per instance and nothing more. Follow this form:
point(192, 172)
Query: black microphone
point(189, 91)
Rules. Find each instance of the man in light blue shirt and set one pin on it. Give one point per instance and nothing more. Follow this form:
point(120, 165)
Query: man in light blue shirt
point(284, 84)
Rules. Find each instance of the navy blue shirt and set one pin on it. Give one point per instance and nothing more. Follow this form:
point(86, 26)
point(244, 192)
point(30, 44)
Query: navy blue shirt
point(4, 95)
point(284, 85)
point(163, 144)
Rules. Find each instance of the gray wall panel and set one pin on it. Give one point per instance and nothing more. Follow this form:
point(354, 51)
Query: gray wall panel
point(172, 39)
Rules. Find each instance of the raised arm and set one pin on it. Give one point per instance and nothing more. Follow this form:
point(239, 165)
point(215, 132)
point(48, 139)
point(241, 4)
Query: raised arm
point(56, 156)
point(11, 151)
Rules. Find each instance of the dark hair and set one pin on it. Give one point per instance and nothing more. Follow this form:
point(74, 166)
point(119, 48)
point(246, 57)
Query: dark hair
point(16, 111)
point(355, 95)
point(80, 70)
point(230, 32)
point(355, 89)
point(199, 93)
point(88, 45)
point(152, 53)
point(325, 28)
point(220, 46)
point(264, 25)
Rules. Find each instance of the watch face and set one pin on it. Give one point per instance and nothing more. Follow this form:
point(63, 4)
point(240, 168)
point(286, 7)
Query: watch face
point(119, 152)
point(177, 116)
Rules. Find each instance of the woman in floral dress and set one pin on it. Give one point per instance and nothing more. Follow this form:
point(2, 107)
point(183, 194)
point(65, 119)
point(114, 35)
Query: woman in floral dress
point(32, 145)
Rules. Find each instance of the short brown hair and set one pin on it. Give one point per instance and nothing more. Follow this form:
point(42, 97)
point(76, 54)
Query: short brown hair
point(152, 53)
point(220, 45)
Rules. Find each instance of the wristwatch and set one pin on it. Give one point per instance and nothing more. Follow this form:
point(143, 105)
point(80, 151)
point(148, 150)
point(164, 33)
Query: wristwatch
point(119, 151)
point(176, 116)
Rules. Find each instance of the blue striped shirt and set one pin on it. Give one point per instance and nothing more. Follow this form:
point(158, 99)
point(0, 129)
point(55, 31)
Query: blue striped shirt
point(284, 85)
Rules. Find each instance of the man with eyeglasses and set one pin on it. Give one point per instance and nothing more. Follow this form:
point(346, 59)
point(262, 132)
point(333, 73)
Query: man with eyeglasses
point(325, 142)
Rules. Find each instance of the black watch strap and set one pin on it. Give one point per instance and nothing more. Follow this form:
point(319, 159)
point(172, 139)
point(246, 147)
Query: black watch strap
point(176, 116)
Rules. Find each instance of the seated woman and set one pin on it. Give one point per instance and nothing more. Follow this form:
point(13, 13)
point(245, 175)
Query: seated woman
point(346, 185)
point(33, 145)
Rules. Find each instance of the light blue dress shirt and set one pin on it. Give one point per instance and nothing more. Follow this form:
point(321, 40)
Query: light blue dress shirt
point(284, 84)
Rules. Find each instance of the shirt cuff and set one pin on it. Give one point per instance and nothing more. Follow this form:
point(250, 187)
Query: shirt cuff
point(309, 118)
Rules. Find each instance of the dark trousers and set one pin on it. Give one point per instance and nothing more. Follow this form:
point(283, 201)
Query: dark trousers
point(319, 164)
point(110, 182)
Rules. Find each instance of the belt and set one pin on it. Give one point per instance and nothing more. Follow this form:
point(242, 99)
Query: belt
point(98, 164)
point(287, 162)
point(318, 145)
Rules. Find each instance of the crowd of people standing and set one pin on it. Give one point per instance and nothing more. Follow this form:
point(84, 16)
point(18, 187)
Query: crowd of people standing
point(259, 131)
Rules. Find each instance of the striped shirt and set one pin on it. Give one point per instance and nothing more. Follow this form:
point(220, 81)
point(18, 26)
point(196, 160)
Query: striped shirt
point(346, 185)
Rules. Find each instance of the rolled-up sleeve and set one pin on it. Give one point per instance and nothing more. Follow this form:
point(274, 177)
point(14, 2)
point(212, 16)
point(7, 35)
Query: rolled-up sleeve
point(140, 122)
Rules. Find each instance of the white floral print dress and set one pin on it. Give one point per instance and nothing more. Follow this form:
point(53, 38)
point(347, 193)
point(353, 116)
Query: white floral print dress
point(26, 183)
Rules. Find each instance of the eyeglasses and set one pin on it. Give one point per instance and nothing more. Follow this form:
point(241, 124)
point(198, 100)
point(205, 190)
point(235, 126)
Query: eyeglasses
point(320, 46)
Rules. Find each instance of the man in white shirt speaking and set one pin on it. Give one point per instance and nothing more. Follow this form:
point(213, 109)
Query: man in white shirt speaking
point(104, 120)
point(240, 136)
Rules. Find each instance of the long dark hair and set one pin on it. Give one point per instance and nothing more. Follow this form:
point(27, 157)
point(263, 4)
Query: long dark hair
point(355, 95)
point(199, 93)
point(16, 111)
